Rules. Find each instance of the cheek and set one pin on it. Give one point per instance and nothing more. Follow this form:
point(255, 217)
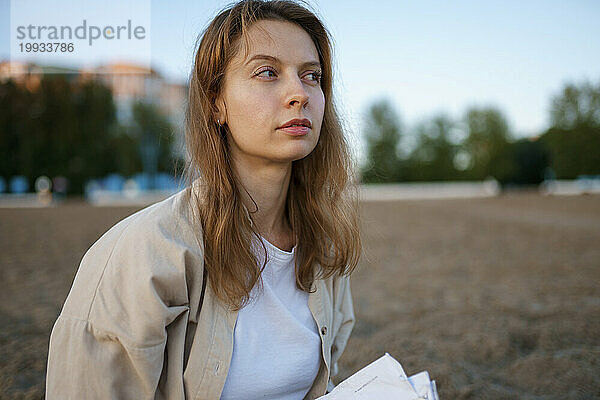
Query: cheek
point(250, 116)
point(245, 115)
point(248, 110)
point(319, 108)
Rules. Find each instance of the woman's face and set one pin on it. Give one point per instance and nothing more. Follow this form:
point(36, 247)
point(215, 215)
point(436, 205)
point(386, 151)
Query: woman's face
point(277, 82)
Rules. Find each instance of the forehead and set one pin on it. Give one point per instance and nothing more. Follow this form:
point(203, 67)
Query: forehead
point(281, 39)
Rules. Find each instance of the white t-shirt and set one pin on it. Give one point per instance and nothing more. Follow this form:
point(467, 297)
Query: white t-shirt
point(276, 346)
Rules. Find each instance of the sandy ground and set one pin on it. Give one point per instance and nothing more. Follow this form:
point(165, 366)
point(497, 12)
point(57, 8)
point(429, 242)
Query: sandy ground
point(498, 298)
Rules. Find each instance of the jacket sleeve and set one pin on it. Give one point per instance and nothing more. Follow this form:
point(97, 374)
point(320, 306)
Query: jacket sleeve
point(110, 338)
point(343, 323)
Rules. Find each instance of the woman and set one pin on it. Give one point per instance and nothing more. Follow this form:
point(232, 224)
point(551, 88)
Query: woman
point(238, 286)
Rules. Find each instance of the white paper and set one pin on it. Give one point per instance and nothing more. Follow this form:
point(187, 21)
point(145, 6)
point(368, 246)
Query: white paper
point(422, 385)
point(384, 379)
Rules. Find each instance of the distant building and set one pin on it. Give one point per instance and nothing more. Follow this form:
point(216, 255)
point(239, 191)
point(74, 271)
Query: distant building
point(128, 82)
point(29, 74)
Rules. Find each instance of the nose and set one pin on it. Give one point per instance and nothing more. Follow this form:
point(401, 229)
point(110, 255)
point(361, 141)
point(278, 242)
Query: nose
point(297, 95)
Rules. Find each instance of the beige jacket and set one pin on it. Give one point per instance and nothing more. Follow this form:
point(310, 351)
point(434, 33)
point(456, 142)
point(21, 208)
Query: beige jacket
point(131, 328)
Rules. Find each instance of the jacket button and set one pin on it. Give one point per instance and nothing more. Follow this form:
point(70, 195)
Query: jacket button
point(324, 330)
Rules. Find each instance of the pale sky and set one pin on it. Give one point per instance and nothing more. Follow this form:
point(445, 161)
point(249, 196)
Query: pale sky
point(424, 56)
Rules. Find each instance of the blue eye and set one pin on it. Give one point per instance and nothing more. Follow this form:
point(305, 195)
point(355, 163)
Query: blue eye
point(269, 72)
point(316, 76)
point(261, 73)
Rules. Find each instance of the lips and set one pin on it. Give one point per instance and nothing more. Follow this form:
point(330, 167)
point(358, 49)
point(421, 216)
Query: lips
point(296, 127)
point(297, 123)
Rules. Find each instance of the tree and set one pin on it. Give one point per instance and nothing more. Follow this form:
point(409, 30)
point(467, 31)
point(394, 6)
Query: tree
point(382, 134)
point(433, 156)
point(48, 134)
point(15, 104)
point(155, 135)
point(63, 126)
point(93, 153)
point(573, 152)
point(576, 106)
point(487, 143)
point(573, 140)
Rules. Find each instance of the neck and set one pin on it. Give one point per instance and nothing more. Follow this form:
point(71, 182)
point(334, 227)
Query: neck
point(267, 183)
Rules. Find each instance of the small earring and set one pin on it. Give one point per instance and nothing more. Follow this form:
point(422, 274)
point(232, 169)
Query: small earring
point(219, 121)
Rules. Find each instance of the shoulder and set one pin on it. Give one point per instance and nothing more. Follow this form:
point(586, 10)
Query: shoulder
point(164, 224)
point(152, 254)
point(336, 284)
point(337, 295)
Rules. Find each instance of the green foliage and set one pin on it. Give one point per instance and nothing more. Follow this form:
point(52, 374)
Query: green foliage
point(382, 135)
point(487, 143)
point(576, 106)
point(573, 141)
point(126, 152)
point(90, 150)
point(155, 135)
point(433, 156)
point(68, 127)
point(573, 152)
point(15, 105)
point(61, 128)
point(485, 150)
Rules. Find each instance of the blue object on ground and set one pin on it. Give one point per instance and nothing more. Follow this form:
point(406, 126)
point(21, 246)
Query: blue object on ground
point(114, 182)
point(19, 184)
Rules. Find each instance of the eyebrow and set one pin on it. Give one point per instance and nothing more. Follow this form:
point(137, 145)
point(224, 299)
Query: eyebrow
point(277, 60)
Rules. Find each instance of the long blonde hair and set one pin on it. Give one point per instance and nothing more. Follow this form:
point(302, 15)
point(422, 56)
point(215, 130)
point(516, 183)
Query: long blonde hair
point(322, 200)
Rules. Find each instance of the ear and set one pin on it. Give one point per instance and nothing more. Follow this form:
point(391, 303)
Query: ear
point(219, 110)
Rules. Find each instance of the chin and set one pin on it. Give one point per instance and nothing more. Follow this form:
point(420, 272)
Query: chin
point(300, 152)
point(290, 157)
